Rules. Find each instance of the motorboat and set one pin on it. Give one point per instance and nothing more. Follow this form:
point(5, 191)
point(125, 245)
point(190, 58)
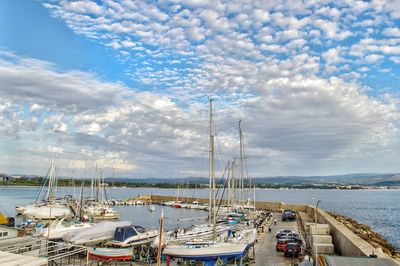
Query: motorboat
point(132, 235)
point(100, 212)
point(152, 208)
point(100, 232)
point(110, 253)
point(58, 228)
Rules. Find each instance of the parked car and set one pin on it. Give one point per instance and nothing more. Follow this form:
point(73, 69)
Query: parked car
point(293, 235)
point(281, 244)
point(283, 231)
point(292, 249)
point(286, 233)
point(288, 215)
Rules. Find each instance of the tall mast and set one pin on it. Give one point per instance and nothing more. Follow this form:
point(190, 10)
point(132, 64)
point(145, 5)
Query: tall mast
point(241, 163)
point(212, 172)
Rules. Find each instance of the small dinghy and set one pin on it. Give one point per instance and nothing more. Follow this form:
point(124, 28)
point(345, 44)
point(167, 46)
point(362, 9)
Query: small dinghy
point(109, 254)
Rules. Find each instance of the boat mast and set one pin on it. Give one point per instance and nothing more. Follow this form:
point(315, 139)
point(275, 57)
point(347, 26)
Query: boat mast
point(212, 172)
point(52, 181)
point(234, 183)
point(241, 164)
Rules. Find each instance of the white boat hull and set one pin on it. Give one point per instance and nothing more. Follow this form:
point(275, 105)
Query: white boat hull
point(46, 212)
point(210, 251)
point(110, 253)
point(60, 231)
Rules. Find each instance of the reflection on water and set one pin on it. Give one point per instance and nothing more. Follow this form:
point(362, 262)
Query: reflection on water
point(377, 208)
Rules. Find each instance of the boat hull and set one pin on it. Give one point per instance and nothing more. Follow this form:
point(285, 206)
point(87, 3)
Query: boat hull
point(207, 252)
point(109, 254)
point(46, 212)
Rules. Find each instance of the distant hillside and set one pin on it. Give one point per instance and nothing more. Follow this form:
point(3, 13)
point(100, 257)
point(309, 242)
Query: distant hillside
point(364, 179)
point(367, 179)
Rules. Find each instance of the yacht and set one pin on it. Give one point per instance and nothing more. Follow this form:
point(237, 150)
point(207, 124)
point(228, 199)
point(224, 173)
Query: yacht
point(132, 235)
point(58, 228)
point(100, 232)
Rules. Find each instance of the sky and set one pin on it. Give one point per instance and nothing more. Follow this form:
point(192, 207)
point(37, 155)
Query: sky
point(125, 85)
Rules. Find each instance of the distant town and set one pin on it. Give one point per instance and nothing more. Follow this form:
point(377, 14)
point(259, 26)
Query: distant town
point(386, 181)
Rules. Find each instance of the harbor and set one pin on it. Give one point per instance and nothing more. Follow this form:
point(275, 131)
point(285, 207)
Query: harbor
point(344, 242)
point(230, 227)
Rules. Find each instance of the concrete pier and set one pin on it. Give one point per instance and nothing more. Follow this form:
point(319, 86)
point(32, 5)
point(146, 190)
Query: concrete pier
point(345, 241)
point(266, 253)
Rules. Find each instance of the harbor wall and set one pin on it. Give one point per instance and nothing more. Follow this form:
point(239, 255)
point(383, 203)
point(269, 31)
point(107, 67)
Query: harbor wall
point(345, 241)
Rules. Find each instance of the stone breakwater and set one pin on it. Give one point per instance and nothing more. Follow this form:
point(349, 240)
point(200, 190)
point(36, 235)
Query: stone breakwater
point(366, 233)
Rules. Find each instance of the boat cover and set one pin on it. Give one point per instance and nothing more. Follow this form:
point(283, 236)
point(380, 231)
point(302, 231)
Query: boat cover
point(101, 231)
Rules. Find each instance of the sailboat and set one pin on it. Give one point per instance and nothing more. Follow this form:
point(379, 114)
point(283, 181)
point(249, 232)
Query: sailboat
point(95, 207)
point(229, 247)
point(201, 231)
point(49, 207)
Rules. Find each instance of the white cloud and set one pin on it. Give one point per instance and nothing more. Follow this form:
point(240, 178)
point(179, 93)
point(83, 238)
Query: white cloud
point(84, 7)
point(373, 58)
point(392, 32)
point(270, 63)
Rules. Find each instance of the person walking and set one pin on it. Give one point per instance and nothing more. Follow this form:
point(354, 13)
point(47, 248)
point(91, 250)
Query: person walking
point(275, 221)
point(270, 229)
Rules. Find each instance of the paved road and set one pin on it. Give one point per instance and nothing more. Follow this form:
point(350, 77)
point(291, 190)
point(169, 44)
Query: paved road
point(266, 253)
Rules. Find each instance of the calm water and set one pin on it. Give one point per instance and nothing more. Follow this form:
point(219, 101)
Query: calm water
point(377, 208)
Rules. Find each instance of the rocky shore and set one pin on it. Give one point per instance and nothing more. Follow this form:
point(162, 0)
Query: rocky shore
point(366, 233)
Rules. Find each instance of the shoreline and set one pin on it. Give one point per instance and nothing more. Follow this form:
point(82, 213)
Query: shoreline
point(172, 186)
point(365, 232)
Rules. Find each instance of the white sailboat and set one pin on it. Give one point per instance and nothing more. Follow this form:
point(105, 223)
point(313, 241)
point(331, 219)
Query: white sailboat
point(48, 207)
point(223, 248)
point(95, 207)
point(202, 231)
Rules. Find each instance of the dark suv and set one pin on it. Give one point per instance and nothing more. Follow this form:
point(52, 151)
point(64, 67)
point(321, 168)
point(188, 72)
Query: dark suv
point(288, 215)
point(292, 249)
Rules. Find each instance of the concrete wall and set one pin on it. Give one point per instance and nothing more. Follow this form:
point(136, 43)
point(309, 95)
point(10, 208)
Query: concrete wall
point(346, 242)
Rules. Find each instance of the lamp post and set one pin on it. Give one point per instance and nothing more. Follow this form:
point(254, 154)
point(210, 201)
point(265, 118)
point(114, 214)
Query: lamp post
point(315, 229)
